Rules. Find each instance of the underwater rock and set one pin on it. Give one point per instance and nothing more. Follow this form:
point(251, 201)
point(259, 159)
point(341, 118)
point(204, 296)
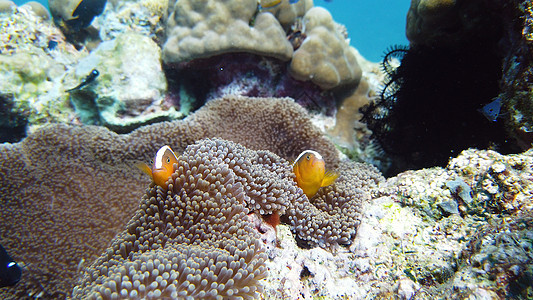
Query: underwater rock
point(194, 83)
point(451, 22)
point(130, 88)
point(404, 239)
point(429, 107)
point(145, 17)
point(516, 85)
point(500, 29)
point(406, 246)
point(461, 189)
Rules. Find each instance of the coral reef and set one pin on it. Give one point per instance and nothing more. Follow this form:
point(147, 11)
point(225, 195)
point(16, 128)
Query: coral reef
point(348, 117)
point(60, 204)
point(39, 9)
point(497, 31)
point(288, 13)
point(194, 83)
point(333, 218)
point(249, 60)
point(278, 125)
point(145, 17)
point(200, 30)
point(450, 22)
point(83, 222)
point(7, 6)
point(516, 85)
point(324, 57)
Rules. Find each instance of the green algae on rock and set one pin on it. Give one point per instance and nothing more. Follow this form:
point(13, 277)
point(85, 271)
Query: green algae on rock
point(130, 90)
point(31, 70)
point(406, 247)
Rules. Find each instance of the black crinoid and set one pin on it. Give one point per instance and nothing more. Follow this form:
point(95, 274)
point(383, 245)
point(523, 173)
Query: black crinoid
point(428, 108)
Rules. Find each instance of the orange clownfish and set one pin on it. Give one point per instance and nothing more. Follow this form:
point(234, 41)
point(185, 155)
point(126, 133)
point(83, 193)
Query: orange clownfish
point(310, 171)
point(162, 167)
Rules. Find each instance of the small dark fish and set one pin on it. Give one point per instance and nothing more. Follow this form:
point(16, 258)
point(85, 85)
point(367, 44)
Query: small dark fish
point(10, 271)
point(491, 111)
point(85, 81)
point(85, 12)
point(52, 45)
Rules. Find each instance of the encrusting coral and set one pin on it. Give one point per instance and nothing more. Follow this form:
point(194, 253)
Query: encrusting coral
point(71, 189)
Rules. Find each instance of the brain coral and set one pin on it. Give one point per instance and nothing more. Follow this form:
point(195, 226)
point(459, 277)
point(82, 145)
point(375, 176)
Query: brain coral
point(199, 29)
point(325, 57)
point(67, 190)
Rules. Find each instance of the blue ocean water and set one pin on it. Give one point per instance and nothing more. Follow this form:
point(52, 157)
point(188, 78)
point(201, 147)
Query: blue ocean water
point(373, 25)
point(20, 2)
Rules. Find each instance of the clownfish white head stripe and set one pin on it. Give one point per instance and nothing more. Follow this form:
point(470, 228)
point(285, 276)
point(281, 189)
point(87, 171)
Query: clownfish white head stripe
point(162, 167)
point(313, 152)
point(160, 159)
point(310, 171)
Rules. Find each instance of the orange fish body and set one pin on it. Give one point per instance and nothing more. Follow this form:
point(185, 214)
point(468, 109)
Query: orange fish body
point(163, 166)
point(310, 171)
